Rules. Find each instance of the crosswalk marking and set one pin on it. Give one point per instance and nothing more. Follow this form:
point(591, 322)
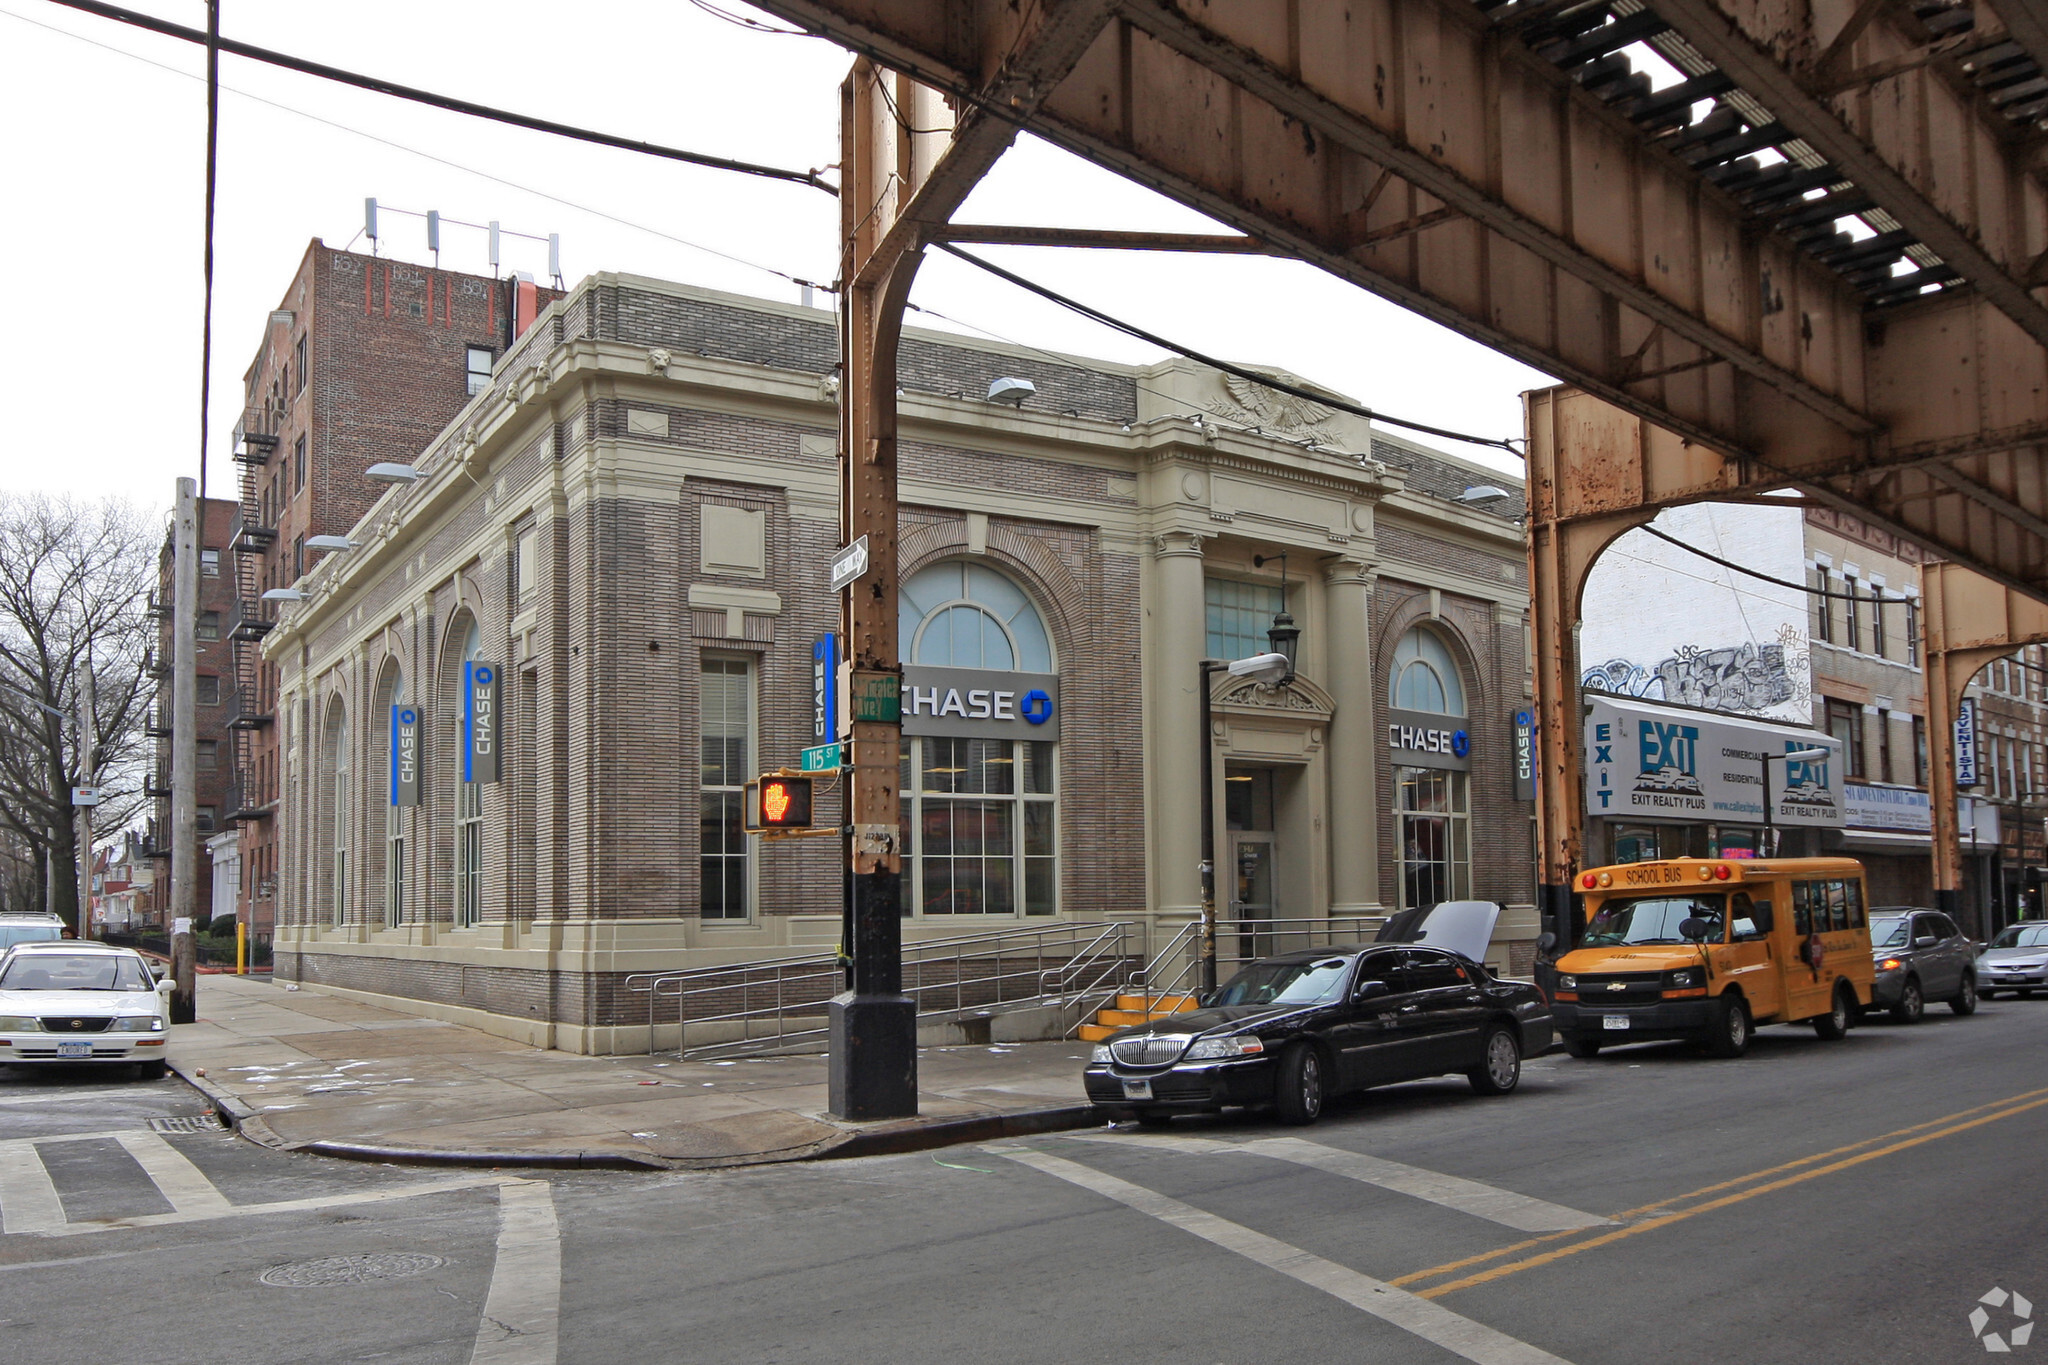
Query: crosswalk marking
point(1461, 1336)
point(28, 1201)
point(176, 1179)
point(316, 1202)
point(1517, 1211)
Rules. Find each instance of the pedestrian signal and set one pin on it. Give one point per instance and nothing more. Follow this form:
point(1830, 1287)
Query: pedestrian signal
point(776, 803)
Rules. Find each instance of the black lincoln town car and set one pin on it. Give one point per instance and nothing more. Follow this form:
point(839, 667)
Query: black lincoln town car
point(1291, 1031)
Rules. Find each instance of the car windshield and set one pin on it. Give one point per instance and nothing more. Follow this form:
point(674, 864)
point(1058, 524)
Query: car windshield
point(2023, 936)
point(1888, 933)
point(1284, 983)
point(1654, 919)
point(11, 934)
point(73, 972)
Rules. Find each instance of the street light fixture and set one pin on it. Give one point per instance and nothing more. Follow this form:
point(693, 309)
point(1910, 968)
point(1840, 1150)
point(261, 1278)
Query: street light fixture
point(284, 595)
point(391, 472)
point(1764, 766)
point(331, 543)
point(1273, 669)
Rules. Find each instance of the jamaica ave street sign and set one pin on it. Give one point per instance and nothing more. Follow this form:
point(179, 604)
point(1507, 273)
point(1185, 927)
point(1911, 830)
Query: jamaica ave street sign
point(849, 564)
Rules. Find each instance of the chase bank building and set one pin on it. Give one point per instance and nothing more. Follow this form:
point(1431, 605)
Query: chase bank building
point(628, 531)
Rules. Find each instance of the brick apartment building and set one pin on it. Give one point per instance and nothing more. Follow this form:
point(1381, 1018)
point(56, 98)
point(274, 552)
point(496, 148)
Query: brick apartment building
point(633, 521)
point(215, 666)
point(363, 361)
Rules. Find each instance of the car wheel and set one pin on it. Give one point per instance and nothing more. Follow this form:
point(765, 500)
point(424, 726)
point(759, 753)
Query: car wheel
point(1298, 1091)
point(1911, 1003)
point(1965, 1001)
point(152, 1071)
point(1834, 1025)
point(1501, 1071)
point(1730, 1034)
point(1581, 1047)
point(1153, 1118)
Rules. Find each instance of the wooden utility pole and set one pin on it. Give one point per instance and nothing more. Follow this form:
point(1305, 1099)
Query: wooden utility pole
point(184, 750)
point(88, 765)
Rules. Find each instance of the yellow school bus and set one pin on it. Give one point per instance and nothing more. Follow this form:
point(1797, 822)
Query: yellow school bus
point(1708, 948)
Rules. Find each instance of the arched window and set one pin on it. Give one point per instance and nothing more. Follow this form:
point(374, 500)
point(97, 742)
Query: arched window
point(334, 753)
point(962, 615)
point(1425, 676)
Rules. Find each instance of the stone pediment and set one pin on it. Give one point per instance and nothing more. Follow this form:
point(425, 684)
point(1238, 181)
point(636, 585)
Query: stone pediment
point(1300, 699)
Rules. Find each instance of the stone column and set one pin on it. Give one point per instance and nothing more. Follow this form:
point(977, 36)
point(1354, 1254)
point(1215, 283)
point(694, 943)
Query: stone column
point(1174, 755)
point(1353, 680)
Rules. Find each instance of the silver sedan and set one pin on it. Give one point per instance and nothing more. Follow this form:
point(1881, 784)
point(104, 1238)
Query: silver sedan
point(2016, 961)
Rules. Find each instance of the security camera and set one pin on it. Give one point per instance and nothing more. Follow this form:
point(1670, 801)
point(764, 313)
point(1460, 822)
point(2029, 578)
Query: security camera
point(1011, 391)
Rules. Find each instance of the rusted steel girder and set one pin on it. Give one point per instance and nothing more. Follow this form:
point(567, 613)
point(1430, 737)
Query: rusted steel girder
point(1421, 151)
point(1966, 622)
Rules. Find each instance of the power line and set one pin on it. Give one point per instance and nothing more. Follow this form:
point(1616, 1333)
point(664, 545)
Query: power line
point(406, 92)
point(1875, 596)
point(1264, 380)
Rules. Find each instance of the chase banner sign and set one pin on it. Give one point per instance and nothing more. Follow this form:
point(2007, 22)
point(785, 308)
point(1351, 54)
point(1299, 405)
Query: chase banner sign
point(1424, 739)
point(405, 754)
point(482, 708)
point(1672, 764)
point(980, 703)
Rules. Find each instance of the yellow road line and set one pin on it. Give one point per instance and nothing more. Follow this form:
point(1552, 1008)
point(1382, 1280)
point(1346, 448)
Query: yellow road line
point(1652, 1224)
point(1665, 1204)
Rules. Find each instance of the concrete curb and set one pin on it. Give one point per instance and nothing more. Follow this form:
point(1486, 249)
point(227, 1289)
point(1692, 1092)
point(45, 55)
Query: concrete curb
point(878, 1141)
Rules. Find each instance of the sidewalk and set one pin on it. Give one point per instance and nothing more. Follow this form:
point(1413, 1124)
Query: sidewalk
point(305, 1071)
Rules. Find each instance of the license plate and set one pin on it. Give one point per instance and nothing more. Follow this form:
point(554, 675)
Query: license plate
point(74, 1049)
point(1614, 1021)
point(1137, 1090)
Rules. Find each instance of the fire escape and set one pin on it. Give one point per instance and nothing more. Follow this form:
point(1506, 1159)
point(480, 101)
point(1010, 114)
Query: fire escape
point(250, 536)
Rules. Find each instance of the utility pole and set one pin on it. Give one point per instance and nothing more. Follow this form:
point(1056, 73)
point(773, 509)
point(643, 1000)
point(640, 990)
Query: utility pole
point(184, 751)
point(88, 754)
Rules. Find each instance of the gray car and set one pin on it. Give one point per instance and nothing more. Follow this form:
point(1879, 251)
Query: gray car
point(2016, 961)
point(1920, 955)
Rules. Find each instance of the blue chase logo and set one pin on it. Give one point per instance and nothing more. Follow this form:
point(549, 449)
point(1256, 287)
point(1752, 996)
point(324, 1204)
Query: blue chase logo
point(1035, 706)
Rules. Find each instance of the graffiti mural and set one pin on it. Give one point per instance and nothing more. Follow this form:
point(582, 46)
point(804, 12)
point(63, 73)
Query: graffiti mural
point(1745, 679)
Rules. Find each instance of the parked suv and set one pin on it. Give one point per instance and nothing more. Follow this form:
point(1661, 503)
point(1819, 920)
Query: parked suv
point(29, 927)
point(1920, 956)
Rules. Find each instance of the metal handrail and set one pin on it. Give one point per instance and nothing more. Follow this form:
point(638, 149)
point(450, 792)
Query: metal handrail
point(1246, 940)
point(1005, 968)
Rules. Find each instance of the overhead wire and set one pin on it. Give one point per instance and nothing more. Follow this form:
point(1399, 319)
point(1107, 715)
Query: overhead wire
point(378, 85)
point(1775, 582)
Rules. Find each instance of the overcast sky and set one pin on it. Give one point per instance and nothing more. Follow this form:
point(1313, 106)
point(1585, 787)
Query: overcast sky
point(104, 184)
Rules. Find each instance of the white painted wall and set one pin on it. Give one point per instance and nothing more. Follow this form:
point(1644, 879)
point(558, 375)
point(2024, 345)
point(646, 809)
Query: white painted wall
point(1661, 622)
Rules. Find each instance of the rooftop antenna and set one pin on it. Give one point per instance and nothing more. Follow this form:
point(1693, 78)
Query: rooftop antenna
point(494, 248)
point(370, 223)
point(555, 258)
point(434, 235)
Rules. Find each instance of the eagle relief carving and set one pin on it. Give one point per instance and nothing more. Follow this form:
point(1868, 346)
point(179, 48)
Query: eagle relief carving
point(1284, 414)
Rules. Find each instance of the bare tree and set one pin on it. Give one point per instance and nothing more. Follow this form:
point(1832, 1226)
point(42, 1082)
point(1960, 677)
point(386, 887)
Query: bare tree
point(75, 578)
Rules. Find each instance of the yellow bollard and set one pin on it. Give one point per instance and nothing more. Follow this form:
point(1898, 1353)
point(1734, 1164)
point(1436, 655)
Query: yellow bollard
point(241, 948)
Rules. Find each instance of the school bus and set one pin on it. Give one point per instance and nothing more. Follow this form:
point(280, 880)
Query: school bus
point(1708, 948)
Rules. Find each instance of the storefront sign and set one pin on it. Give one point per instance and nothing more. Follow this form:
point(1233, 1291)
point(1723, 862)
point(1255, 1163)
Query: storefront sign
point(1966, 744)
point(1525, 756)
point(1663, 762)
point(405, 755)
point(980, 703)
point(1423, 739)
point(824, 689)
point(481, 697)
point(1897, 808)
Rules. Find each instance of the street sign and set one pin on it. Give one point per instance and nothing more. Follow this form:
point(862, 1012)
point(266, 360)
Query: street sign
point(849, 564)
point(823, 758)
point(1966, 744)
point(877, 697)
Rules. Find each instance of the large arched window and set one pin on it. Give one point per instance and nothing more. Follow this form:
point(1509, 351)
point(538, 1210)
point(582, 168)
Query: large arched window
point(962, 615)
point(334, 756)
point(1425, 676)
point(980, 811)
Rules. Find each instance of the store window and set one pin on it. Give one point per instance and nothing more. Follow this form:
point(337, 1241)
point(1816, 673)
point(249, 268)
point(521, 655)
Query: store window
point(1239, 615)
point(1425, 676)
point(724, 719)
point(1638, 843)
point(984, 817)
point(980, 808)
point(1433, 816)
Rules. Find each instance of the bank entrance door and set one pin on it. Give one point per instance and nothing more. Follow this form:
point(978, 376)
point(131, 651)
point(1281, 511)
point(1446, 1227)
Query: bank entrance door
point(1249, 875)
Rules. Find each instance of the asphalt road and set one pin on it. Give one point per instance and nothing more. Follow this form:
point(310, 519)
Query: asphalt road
point(1811, 1202)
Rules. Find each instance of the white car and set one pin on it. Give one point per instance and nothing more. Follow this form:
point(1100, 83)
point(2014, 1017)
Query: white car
point(68, 1003)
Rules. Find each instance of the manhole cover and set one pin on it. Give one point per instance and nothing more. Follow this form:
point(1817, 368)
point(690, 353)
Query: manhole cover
point(331, 1270)
point(204, 1123)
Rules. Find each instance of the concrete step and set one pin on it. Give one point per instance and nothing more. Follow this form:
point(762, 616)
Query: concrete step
point(1155, 1004)
point(1095, 1033)
point(1125, 1018)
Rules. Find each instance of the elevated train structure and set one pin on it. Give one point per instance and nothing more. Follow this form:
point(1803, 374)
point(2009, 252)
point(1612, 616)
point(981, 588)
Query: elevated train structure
point(1814, 261)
